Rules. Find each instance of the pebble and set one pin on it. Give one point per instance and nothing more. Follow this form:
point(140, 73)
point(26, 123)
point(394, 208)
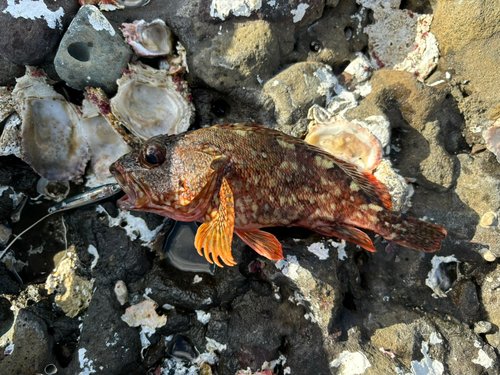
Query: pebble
point(92, 52)
point(482, 327)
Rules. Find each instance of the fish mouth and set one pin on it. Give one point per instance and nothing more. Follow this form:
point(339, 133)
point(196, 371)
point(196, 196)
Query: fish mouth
point(135, 197)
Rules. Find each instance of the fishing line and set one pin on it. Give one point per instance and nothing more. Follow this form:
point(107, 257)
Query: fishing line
point(20, 234)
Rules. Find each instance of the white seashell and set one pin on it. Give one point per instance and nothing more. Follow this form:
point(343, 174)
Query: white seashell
point(345, 140)
point(151, 102)
point(105, 144)
point(148, 39)
point(144, 314)
point(121, 292)
point(50, 137)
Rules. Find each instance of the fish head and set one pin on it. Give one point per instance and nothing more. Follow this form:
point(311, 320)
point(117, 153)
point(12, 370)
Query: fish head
point(146, 175)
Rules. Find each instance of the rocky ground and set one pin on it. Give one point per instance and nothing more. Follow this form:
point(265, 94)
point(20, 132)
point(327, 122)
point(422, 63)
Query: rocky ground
point(328, 307)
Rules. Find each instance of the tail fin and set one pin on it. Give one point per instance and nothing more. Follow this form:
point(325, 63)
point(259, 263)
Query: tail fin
point(410, 232)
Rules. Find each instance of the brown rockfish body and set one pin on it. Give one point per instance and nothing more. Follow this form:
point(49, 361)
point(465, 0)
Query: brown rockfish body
point(242, 177)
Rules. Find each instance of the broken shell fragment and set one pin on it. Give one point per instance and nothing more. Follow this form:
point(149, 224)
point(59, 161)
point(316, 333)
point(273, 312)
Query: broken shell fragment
point(347, 141)
point(50, 141)
point(6, 103)
point(492, 138)
point(144, 314)
point(148, 39)
point(10, 141)
point(73, 291)
point(104, 5)
point(105, 144)
point(98, 97)
point(175, 64)
point(121, 292)
point(151, 102)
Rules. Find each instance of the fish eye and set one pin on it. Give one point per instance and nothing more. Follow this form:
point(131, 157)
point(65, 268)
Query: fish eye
point(153, 155)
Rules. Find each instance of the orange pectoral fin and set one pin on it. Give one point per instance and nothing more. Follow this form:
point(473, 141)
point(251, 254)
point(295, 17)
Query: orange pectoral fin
point(262, 242)
point(350, 234)
point(216, 235)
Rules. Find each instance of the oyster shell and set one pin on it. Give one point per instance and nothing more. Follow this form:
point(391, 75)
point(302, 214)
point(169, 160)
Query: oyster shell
point(492, 138)
point(176, 64)
point(10, 141)
point(6, 103)
point(151, 102)
point(104, 5)
point(343, 139)
point(105, 144)
point(148, 39)
point(50, 140)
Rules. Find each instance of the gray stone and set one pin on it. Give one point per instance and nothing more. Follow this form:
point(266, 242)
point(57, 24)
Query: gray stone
point(438, 169)
point(92, 52)
point(293, 91)
point(32, 29)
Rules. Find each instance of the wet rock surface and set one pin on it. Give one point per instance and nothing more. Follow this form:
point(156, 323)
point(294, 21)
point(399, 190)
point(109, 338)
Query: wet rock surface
point(328, 307)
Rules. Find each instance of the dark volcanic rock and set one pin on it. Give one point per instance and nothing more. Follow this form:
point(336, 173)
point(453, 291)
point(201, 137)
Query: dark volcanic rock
point(34, 28)
point(32, 346)
point(9, 72)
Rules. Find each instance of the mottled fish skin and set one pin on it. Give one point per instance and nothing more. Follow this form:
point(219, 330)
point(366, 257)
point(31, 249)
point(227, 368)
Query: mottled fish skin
point(243, 177)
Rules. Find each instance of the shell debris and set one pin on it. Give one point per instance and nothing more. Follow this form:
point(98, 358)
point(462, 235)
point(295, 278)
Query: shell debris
point(73, 291)
point(492, 138)
point(151, 102)
point(148, 39)
point(346, 140)
point(144, 314)
point(121, 292)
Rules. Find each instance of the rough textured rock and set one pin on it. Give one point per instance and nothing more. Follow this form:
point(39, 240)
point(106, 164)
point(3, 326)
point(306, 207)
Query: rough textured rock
point(32, 345)
point(92, 52)
point(243, 57)
point(328, 307)
point(293, 91)
point(414, 108)
point(469, 36)
point(335, 45)
point(34, 29)
point(9, 72)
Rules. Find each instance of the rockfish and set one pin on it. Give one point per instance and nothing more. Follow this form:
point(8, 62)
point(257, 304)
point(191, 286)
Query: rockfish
point(237, 178)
